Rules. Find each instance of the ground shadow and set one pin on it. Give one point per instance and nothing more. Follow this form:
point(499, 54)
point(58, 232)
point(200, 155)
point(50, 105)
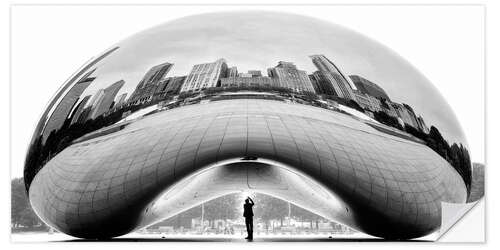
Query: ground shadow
point(223, 239)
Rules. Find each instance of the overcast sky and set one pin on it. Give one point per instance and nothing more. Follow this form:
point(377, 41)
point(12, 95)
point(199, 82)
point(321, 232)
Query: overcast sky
point(258, 40)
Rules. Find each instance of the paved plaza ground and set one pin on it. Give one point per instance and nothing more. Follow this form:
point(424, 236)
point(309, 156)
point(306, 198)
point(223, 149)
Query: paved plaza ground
point(137, 237)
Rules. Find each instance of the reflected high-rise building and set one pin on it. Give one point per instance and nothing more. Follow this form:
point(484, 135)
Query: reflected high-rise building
point(68, 83)
point(79, 109)
point(169, 86)
point(246, 80)
point(288, 76)
point(96, 97)
point(205, 75)
point(255, 73)
point(105, 101)
point(405, 113)
point(156, 73)
point(232, 72)
point(93, 103)
point(121, 100)
point(375, 103)
point(342, 84)
point(421, 125)
point(84, 116)
point(322, 84)
point(173, 85)
point(62, 111)
point(413, 116)
point(149, 83)
point(367, 87)
point(388, 108)
point(363, 100)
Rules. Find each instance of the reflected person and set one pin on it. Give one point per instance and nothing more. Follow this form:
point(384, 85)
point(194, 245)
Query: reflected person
point(248, 214)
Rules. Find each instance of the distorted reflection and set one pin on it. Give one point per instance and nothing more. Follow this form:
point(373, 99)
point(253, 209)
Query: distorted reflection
point(280, 90)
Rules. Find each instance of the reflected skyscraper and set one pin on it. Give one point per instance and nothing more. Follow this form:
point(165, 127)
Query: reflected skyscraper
point(94, 103)
point(247, 80)
point(232, 72)
point(175, 84)
point(105, 100)
point(149, 83)
point(421, 124)
point(67, 84)
point(205, 75)
point(79, 109)
point(255, 73)
point(342, 84)
point(155, 74)
point(63, 109)
point(405, 113)
point(322, 84)
point(290, 77)
point(413, 116)
point(367, 87)
point(120, 100)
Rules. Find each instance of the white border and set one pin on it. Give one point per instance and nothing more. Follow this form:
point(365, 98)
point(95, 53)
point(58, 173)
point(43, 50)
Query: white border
point(493, 39)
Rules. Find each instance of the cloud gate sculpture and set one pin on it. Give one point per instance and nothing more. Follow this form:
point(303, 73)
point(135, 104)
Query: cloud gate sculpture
point(219, 103)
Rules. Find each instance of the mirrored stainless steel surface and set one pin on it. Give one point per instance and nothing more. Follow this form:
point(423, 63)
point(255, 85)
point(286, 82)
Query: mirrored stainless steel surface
point(319, 106)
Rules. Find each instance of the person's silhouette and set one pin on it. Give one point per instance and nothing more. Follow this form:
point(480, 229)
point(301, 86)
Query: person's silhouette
point(248, 214)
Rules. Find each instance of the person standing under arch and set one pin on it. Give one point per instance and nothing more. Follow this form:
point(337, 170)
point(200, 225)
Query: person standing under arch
point(248, 214)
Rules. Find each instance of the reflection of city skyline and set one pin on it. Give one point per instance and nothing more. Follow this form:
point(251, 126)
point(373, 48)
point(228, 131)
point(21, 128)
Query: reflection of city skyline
point(256, 48)
point(338, 84)
point(327, 87)
point(61, 112)
point(328, 79)
point(130, 88)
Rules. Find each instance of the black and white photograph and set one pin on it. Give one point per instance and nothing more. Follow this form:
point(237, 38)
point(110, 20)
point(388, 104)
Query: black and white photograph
point(245, 124)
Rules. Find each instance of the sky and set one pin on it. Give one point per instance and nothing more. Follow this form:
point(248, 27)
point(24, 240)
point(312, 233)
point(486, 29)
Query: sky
point(258, 40)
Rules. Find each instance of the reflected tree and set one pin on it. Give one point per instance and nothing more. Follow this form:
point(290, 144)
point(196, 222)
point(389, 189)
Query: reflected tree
point(268, 208)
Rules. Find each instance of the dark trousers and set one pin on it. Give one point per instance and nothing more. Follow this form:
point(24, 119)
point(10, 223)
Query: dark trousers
point(249, 224)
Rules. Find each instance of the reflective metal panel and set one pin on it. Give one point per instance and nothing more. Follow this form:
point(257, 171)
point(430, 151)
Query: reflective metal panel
point(273, 88)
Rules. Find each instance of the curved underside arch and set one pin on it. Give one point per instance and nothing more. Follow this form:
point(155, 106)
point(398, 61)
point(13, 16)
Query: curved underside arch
point(105, 186)
point(256, 176)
